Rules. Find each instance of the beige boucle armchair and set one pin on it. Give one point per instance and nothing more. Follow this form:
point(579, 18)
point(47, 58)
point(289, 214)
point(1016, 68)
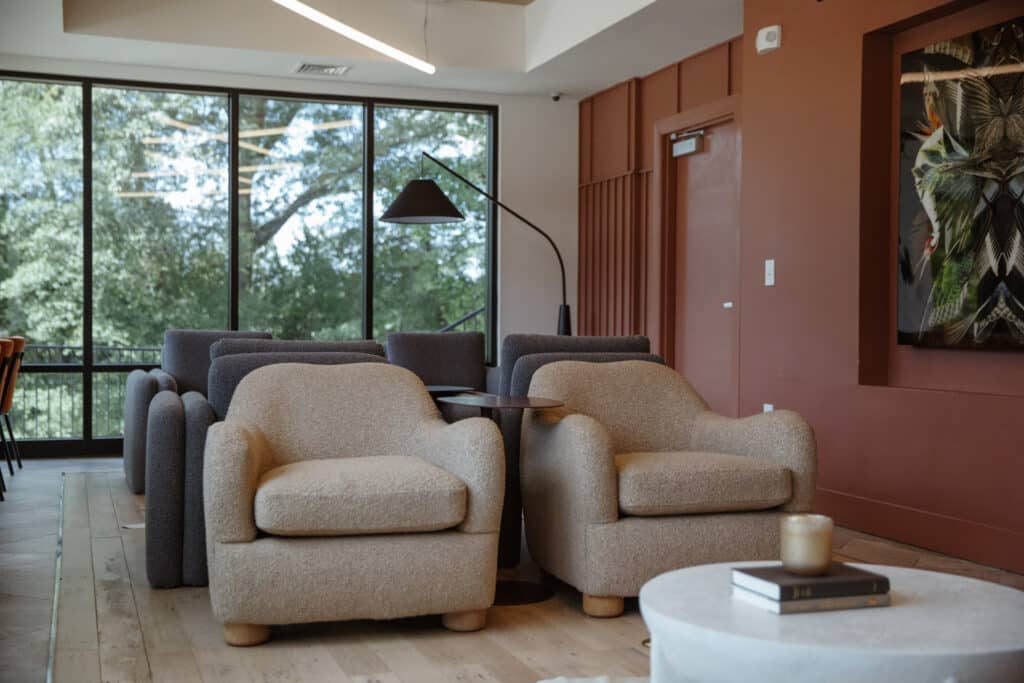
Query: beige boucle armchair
point(635, 477)
point(338, 492)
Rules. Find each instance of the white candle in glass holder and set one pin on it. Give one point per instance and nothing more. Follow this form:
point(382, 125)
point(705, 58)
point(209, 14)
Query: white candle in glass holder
point(806, 544)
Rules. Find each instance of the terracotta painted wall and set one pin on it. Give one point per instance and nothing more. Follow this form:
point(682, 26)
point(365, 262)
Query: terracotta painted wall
point(918, 445)
point(616, 157)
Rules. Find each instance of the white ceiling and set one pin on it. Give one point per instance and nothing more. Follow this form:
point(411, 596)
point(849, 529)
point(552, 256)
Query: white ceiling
point(572, 46)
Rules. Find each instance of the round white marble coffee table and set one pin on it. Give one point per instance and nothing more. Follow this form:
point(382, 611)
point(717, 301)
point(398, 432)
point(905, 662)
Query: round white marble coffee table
point(940, 628)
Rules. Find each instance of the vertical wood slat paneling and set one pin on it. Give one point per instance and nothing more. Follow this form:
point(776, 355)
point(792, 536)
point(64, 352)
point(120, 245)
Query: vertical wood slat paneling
point(586, 136)
point(582, 268)
point(616, 138)
point(643, 227)
point(598, 238)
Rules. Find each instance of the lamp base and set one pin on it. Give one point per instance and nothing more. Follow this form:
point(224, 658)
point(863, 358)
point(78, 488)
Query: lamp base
point(564, 321)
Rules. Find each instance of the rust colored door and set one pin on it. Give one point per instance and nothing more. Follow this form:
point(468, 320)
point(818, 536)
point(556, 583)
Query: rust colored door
point(707, 204)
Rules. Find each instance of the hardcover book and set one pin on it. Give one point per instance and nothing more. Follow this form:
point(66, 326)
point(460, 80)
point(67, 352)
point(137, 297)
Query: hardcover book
point(842, 580)
point(810, 605)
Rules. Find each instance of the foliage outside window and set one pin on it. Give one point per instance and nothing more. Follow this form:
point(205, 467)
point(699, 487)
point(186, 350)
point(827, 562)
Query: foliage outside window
point(161, 233)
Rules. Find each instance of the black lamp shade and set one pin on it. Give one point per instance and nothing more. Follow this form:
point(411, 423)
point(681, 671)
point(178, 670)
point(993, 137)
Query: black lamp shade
point(422, 201)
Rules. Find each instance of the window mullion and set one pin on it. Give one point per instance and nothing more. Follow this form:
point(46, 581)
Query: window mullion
point(369, 159)
point(233, 208)
point(87, 294)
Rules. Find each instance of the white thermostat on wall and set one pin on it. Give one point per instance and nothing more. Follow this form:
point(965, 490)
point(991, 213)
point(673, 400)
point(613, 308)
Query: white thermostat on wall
point(768, 38)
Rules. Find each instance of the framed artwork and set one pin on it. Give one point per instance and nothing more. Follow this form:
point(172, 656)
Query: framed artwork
point(961, 194)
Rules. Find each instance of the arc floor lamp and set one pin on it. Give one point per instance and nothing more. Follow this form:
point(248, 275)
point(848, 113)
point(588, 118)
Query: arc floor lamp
point(422, 201)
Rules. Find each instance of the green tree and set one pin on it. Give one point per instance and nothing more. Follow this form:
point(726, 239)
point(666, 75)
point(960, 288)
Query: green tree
point(161, 217)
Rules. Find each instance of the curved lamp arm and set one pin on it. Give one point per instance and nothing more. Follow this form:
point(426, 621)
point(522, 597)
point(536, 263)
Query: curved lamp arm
point(561, 263)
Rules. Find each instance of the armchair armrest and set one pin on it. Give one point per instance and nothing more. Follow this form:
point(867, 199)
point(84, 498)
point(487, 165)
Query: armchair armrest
point(198, 418)
point(783, 436)
point(139, 391)
point(236, 456)
point(164, 380)
point(165, 489)
point(470, 449)
point(567, 460)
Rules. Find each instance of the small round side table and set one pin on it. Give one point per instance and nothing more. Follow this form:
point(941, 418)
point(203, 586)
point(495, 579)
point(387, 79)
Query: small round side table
point(436, 391)
point(508, 592)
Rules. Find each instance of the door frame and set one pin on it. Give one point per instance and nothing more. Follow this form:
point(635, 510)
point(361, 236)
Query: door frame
point(661, 238)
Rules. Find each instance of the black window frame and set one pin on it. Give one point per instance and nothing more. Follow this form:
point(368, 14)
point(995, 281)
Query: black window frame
point(88, 444)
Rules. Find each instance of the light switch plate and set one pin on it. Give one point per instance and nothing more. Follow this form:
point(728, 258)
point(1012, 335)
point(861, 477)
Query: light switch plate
point(768, 39)
point(768, 408)
point(769, 272)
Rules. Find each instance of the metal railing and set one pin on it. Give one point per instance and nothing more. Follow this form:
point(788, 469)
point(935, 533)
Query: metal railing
point(48, 402)
point(465, 321)
point(46, 354)
point(48, 405)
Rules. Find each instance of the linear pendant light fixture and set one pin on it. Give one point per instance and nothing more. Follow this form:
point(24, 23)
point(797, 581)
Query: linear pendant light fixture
point(333, 24)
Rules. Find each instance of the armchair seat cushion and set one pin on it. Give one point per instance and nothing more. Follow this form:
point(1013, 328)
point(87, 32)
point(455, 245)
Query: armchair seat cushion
point(694, 482)
point(358, 496)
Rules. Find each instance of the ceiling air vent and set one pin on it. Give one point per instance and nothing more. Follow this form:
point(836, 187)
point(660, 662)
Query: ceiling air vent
point(329, 70)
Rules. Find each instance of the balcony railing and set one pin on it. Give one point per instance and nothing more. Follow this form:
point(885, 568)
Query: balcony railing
point(48, 354)
point(48, 402)
point(470, 322)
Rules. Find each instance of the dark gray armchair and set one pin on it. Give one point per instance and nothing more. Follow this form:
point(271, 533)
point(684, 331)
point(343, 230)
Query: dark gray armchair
point(184, 365)
point(442, 358)
point(455, 358)
point(521, 356)
point(175, 520)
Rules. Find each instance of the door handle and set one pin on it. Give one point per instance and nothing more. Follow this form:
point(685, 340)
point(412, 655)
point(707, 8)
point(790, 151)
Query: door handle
point(727, 304)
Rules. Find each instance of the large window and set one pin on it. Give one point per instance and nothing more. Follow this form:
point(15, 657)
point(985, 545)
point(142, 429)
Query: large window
point(301, 217)
point(431, 276)
point(130, 208)
point(159, 219)
point(41, 248)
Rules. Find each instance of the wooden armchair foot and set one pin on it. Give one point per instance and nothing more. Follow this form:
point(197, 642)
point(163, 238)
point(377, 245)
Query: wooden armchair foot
point(603, 606)
point(246, 635)
point(470, 620)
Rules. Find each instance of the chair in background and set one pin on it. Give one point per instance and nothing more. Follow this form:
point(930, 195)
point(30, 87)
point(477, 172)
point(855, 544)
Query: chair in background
point(184, 365)
point(635, 477)
point(6, 351)
point(235, 345)
point(442, 358)
point(177, 428)
point(518, 348)
point(336, 493)
point(7, 402)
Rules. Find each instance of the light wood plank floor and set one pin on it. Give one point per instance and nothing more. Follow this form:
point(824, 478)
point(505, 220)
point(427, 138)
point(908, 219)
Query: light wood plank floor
point(113, 627)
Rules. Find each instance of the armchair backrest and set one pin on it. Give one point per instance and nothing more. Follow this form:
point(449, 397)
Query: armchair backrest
point(645, 406)
point(186, 355)
point(307, 412)
point(232, 345)
point(516, 345)
point(455, 358)
point(529, 364)
point(227, 371)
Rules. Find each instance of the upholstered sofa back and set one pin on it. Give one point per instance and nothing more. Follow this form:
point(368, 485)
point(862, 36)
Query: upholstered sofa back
point(229, 346)
point(645, 406)
point(308, 412)
point(227, 371)
point(441, 357)
point(517, 345)
point(527, 365)
point(186, 355)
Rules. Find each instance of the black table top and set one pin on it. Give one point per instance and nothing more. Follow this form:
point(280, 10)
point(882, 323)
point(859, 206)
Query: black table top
point(495, 402)
point(437, 390)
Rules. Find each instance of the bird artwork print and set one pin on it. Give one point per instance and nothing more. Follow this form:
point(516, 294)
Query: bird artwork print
point(961, 211)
